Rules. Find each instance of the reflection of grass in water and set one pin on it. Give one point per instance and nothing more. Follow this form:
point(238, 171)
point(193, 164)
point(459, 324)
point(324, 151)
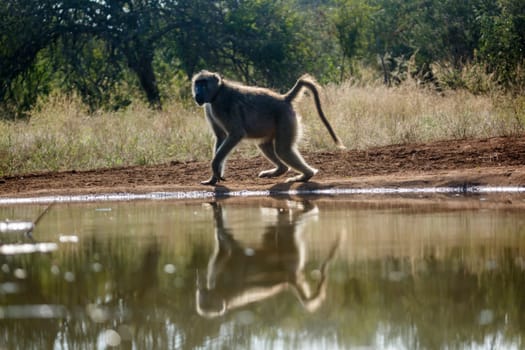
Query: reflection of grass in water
point(433, 279)
point(469, 240)
point(61, 134)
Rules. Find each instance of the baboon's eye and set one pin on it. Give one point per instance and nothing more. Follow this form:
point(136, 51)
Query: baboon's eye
point(200, 87)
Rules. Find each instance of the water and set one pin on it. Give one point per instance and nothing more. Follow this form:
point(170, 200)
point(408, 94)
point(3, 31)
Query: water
point(443, 271)
point(465, 189)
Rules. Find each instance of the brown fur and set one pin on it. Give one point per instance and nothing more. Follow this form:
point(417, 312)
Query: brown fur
point(236, 111)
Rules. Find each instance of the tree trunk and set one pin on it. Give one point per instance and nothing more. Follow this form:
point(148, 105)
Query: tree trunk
point(148, 83)
point(141, 62)
point(386, 74)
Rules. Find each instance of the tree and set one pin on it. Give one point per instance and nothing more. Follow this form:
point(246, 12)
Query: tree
point(26, 27)
point(391, 26)
point(502, 41)
point(92, 68)
point(89, 32)
point(352, 23)
point(131, 28)
point(257, 41)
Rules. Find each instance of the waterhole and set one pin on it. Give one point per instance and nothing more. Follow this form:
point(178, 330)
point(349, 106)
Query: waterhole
point(431, 271)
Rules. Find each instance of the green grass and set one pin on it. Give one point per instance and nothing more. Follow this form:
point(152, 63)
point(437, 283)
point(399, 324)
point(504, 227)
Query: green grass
point(62, 135)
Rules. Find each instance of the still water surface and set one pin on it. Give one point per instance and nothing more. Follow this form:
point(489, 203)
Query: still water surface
point(264, 274)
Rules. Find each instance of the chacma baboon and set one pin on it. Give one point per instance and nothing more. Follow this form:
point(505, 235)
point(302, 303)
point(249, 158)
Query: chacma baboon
point(238, 275)
point(236, 111)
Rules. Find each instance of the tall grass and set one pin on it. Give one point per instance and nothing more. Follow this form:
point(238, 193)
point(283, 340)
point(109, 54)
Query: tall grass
point(375, 115)
point(62, 135)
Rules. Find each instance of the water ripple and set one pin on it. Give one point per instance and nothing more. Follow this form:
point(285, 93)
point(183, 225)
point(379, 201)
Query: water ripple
point(27, 248)
point(185, 195)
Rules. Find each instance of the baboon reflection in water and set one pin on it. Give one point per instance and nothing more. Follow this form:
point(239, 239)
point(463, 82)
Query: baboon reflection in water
point(238, 276)
point(236, 111)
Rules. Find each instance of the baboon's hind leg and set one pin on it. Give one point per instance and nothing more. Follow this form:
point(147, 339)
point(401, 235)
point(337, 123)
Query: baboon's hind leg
point(268, 150)
point(294, 159)
point(287, 152)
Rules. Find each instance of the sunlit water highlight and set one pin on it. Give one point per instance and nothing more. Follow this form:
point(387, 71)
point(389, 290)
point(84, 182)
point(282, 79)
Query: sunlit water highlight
point(440, 270)
point(203, 195)
point(15, 226)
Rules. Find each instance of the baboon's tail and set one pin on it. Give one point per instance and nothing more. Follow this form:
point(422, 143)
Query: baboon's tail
point(306, 81)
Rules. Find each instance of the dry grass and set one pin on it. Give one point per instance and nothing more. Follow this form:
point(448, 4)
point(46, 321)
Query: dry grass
point(376, 115)
point(62, 135)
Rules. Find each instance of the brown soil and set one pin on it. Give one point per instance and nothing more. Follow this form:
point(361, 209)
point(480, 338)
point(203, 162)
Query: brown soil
point(498, 161)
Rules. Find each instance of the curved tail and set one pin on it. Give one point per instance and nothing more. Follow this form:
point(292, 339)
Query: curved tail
point(306, 81)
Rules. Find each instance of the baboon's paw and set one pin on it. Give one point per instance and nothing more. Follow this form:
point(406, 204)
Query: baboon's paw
point(299, 178)
point(212, 181)
point(273, 172)
point(303, 177)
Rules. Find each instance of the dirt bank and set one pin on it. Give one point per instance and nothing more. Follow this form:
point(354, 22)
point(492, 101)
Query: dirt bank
point(495, 161)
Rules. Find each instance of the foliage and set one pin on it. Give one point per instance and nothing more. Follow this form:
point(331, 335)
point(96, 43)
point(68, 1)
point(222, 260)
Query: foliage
point(109, 52)
point(26, 28)
point(502, 41)
point(352, 22)
point(253, 40)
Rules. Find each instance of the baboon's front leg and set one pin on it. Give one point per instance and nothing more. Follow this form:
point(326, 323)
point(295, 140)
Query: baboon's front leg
point(220, 136)
point(217, 164)
point(216, 174)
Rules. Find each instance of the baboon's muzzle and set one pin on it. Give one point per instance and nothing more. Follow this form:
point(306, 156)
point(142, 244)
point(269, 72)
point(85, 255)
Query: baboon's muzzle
point(199, 98)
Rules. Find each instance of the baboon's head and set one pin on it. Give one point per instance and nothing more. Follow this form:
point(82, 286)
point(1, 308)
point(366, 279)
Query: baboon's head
point(206, 86)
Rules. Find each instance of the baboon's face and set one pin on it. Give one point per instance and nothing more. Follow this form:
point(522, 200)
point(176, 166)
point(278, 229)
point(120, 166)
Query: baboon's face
point(205, 87)
point(200, 91)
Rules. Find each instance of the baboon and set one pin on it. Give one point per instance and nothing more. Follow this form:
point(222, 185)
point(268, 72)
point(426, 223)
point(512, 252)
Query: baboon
point(236, 111)
point(238, 276)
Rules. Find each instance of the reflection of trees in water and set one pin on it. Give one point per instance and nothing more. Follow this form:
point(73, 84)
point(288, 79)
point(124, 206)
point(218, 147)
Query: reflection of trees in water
point(452, 297)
